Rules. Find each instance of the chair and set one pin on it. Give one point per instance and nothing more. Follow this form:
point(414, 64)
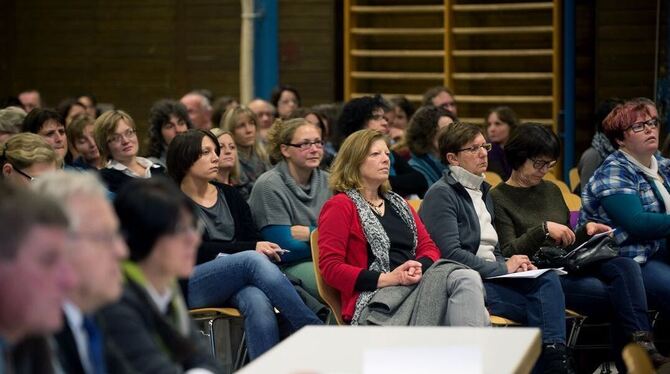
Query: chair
point(573, 176)
point(574, 202)
point(328, 294)
point(498, 321)
point(210, 316)
point(637, 360)
point(492, 178)
point(415, 203)
point(560, 184)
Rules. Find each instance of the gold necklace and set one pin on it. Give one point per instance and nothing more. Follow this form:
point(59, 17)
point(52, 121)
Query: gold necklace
point(376, 208)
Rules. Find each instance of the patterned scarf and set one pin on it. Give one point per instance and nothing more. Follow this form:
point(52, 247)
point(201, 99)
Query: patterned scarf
point(602, 145)
point(379, 242)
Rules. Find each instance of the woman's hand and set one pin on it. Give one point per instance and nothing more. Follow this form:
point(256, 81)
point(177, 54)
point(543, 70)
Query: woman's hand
point(404, 275)
point(519, 263)
point(593, 228)
point(269, 249)
point(299, 232)
point(561, 234)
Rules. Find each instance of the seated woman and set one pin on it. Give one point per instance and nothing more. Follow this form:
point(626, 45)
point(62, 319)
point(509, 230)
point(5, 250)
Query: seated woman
point(286, 201)
point(150, 324)
point(370, 240)
point(421, 138)
point(243, 124)
point(167, 119)
point(48, 124)
point(368, 113)
point(233, 265)
point(26, 156)
point(116, 138)
point(229, 164)
point(630, 192)
point(84, 151)
point(531, 213)
point(500, 122)
point(286, 99)
point(403, 110)
point(600, 147)
point(458, 211)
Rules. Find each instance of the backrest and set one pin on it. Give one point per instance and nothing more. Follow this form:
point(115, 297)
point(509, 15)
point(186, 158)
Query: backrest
point(329, 294)
point(574, 178)
point(492, 178)
point(637, 360)
point(415, 203)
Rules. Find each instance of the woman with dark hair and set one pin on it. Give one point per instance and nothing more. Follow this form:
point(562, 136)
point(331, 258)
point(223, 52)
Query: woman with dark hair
point(421, 138)
point(403, 110)
point(167, 119)
point(69, 108)
point(500, 122)
point(233, 264)
point(150, 324)
point(374, 248)
point(368, 112)
point(286, 99)
point(531, 212)
point(48, 124)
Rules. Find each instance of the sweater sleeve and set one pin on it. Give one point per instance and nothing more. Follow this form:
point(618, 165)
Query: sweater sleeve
point(526, 244)
point(440, 215)
point(407, 180)
point(626, 211)
point(281, 235)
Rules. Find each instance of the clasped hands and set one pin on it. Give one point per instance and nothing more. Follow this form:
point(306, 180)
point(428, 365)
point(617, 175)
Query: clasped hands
point(404, 275)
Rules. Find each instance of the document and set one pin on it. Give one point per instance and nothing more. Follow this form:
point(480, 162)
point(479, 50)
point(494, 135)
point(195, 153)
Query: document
point(530, 273)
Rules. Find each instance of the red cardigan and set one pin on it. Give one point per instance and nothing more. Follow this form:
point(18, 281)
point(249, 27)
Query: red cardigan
point(343, 248)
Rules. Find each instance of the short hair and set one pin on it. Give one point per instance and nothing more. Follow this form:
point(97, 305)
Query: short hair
point(276, 94)
point(604, 109)
point(404, 104)
point(148, 209)
point(185, 150)
point(26, 149)
point(11, 119)
point(432, 92)
point(64, 186)
point(345, 172)
point(422, 129)
point(621, 117)
point(205, 103)
point(37, 117)
point(159, 115)
point(66, 105)
point(235, 172)
point(282, 132)
point(355, 114)
point(20, 211)
point(75, 130)
point(454, 137)
point(531, 140)
point(105, 125)
point(505, 114)
point(229, 122)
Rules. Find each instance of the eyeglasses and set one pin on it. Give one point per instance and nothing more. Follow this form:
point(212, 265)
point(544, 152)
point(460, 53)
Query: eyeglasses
point(639, 126)
point(541, 164)
point(307, 145)
point(118, 138)
point(23, 173)
point(476, 148)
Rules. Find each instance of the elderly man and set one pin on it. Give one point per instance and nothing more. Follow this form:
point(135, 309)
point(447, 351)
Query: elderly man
point(35, 276)
point(265, 113)
point(199, 110)
point(96, 251)
point(441, 96)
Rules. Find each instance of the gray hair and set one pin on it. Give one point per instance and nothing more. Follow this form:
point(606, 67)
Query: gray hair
point(65, 186)
point(204, 101)
point(11, 119)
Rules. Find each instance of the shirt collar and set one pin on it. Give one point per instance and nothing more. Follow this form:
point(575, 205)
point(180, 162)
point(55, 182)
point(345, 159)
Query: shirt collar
point(73, 314)
point(162, 301)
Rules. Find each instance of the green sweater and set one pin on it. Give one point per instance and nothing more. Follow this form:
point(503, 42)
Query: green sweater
point(520, 212)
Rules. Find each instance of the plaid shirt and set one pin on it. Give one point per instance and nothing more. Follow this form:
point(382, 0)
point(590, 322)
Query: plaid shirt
point(617, 175)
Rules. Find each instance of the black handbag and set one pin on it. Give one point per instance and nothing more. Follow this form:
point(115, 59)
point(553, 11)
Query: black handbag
point(578, 259)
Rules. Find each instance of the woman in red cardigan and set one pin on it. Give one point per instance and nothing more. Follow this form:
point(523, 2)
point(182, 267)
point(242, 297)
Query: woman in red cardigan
point(375, 250)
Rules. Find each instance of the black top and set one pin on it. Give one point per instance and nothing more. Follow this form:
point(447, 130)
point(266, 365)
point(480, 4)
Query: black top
point(407, 180)
point(115, 179)
point(217, 219)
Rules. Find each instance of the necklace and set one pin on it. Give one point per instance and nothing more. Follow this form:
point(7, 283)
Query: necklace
point(376, 208)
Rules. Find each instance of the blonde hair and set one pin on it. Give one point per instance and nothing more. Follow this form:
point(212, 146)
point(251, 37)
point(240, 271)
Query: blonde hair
point(235, 172)
point(26, 149)
point(229, 122)
point(282, 132)
point(105, 126)
point(345, 173)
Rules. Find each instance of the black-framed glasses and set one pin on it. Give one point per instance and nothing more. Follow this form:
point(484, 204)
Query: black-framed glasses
point(652, 123)
point(307, 145)
point(476, 148)
point(23, 173)
point(541, 164)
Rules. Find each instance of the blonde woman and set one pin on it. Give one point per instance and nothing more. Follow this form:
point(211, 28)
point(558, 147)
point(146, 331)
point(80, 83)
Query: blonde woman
point(26, 156)
point(242, 123)
point(229, 163)
point(116, 139)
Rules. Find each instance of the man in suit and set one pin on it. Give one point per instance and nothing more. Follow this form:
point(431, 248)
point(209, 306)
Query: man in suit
point(97, 249)
point(35, 276)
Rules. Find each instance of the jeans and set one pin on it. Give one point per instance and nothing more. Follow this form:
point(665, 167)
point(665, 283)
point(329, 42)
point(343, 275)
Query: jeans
point(537, 302)
point(656, 277)
point(249, 282)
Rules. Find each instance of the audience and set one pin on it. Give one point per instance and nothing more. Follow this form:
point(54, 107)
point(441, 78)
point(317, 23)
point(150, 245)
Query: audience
point(69, 108)
point(11, 121)
point(371, 240)
point(84, 151)
point(167, 119)
point(403, 110)
point(90, 102)
point(233, 265)
point(25, 157)
point(286, 99)
point(116, 138)
point(286, 200)
point(30, 99)
point(421, 139)
point(600, 147)
point(199, 109)
point(48, 124)
point(500, 122)
point(220, 106)
point(265, 113)
point(440, 96)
